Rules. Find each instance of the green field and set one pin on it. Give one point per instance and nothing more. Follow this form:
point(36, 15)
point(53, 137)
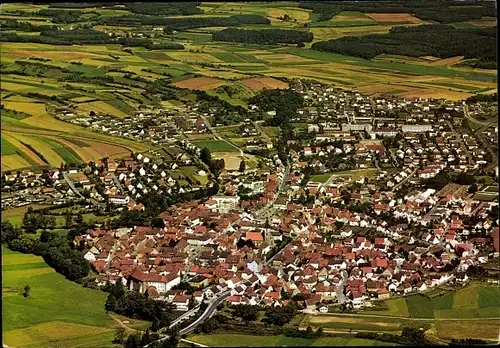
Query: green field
point(7, 147)
point(215, 145)
point(231, 340)
point(50, 316)
point(475, 300)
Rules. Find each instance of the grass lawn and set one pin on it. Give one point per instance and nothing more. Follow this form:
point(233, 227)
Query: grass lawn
point(321, 177)
point(51, 315)
point(215, 145)
point(231, 340)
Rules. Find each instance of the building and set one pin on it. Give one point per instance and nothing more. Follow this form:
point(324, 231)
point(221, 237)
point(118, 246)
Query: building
point(226, 203)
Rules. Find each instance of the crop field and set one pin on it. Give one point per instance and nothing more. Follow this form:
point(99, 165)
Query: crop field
point(394, 18)
point(50, 316)
point(232, 340)
point(261, 83)
point(201, 83)
point(473, 301)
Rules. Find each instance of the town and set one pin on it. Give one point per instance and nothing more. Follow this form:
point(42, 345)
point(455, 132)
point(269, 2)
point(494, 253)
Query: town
point(300, 230)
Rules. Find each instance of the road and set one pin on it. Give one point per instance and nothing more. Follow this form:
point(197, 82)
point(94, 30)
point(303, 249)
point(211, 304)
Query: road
point(264, 135)
point(462, 145)
point(75, 190)
point(359, 315)
point(263, 210)
point(479, 136)
point(211, 308)
point(118, 184)
point(218, 137)
point(71, 185)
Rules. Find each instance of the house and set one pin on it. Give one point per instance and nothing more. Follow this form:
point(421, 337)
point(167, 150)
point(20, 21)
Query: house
point(88, 255)
point(199, 281)
point(181, 303)
point(119, 200)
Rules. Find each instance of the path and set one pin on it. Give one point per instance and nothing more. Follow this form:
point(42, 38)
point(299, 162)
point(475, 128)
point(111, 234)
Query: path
point(193, 342)
point(264, 135)
point(404, 318)
point(218, 137)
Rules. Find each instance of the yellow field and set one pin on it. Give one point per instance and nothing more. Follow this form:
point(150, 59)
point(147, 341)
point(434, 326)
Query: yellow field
point(101, 107)
point(81, 99)
point(35, 109)
point(44, 333)
point(299, 15)
point(23, 149)
point(467, 297)
point(50, 155)
point(11, 162)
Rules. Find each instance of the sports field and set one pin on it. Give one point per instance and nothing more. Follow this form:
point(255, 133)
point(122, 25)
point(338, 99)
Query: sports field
point(50, 316)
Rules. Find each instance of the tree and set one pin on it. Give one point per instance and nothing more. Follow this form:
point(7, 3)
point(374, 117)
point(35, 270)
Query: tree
point(79, 218)
point(173, 338)
point(133, 341)
point(26, 292)
point(413, 336)
point(9, 232)
point(206, 156)
point(119, 336)
point(110, 303)
point(68, 219)
point(242, 166)
point(319, 331)
point(472, 188)
point(146, 338)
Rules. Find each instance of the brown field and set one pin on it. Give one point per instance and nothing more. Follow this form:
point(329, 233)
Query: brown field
point(435, 93)
point(202, 83)
point(53, 54)
point(394, 17)
point(232, 159)
point(260, 83)
point(431, 58)
point(484, 329)
point(348, 320)
point(447, 61)
point(104, 149)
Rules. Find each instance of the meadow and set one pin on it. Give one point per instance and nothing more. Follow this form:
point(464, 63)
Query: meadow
point(50, 316)
point(458, 311)
point(231, 340)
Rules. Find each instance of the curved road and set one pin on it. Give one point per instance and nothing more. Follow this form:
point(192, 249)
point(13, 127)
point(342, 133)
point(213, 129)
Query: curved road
point(212, 307)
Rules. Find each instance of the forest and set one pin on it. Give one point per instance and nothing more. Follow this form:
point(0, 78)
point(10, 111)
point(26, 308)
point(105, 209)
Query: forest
point(439, 11)
point(187, 22)
point(437, 40)
point(264, 36)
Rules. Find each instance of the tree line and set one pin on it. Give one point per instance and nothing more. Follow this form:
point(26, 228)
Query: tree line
point(12, 24)
point(264, 36)
point(165, 9)
point(441, 41)
point(438, 11)
point(133, 304)
point(85, 36)
point(56, 250)
point(185, 23)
